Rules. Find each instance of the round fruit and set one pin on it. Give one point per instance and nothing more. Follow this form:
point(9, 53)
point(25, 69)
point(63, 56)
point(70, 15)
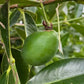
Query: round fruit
point(40, 47)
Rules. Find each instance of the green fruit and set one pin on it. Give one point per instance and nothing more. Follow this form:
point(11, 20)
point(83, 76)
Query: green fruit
point(40, 47)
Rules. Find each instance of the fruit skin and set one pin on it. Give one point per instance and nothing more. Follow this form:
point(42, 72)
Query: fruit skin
point(40, 47)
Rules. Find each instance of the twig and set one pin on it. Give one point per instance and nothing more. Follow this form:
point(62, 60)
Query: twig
point(45, 3)
point(54, 23)
point(12, 38)
point(48, 1)
point(2, 25)
point(14, 6)
point(44, 13)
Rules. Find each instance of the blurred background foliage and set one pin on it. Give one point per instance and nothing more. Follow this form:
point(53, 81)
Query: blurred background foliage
point(71, 24)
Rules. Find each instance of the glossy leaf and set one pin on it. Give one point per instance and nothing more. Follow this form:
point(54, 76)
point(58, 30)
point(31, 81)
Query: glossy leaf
point(14, 17)
point(67, 71)
point(22, 68)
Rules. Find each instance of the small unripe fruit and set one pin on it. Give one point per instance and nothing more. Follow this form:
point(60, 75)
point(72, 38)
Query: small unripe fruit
point(40, 47)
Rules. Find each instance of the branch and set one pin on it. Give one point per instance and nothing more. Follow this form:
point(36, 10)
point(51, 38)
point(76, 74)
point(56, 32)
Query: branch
point(12, 38)
point(44, 2)
point(14, 6)
point(48, 1)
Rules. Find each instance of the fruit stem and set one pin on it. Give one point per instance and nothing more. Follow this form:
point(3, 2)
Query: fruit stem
point(60, 45)
point(44, 13)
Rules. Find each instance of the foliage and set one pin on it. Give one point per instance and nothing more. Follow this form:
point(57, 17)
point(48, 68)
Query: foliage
point(18, 23)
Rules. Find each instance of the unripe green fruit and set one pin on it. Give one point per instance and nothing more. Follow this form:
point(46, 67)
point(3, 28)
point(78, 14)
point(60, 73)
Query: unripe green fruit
point(40, 47)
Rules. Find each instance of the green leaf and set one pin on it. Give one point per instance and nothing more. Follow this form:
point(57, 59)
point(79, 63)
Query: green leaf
point(5, 31)
point(51, 13)
point(66, 71)
point(14, 17)
point(4, 64)
point(3, 78)
point(79, 10)
point(20, 32)
point(22, 68)
point(39, 15)
point(79, 28)
point(11, 78)
point(64, 39)
point(32, 14)
point(30, 25)
point(7, 78)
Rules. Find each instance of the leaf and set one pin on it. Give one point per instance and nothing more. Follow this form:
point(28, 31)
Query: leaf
point(51, 13)
point(64, 39)
point(39, 15)
point(14, 17)
point(79, 28)
point(3, 79)
point(7, 78)
point(79, 10)
point(5, 31)
point(20, 32)
point(66, 71)
point(11, 78)
point(4, 64)
point(22, 68)
point(32, 14)
point(30, 25)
